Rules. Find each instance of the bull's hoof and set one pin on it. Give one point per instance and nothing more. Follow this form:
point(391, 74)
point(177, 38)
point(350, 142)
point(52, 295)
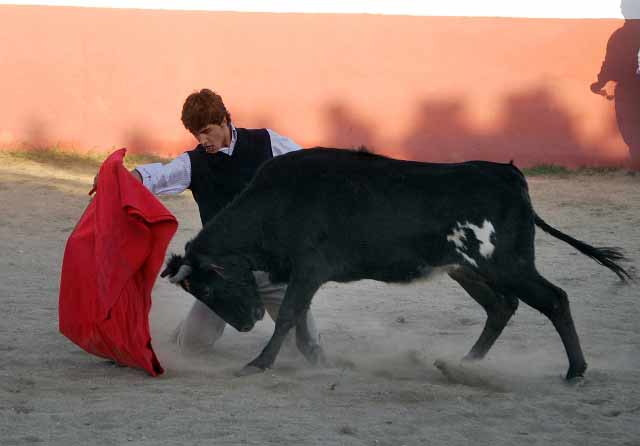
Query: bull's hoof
point(576, 381)
point(316, 357)
point(575, 375)
point(470, 358)
point(248, 370)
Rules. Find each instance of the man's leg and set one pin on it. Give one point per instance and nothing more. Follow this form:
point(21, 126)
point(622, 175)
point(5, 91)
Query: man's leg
point(199, 330)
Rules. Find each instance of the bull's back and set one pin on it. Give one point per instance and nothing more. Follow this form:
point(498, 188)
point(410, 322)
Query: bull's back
point(349, 180)
point(387, 212)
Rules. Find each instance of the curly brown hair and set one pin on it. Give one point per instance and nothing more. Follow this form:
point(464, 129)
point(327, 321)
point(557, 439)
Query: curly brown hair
point(202, 108)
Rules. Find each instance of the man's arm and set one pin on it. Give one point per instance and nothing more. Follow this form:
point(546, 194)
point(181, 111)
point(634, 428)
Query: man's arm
point(281, 144)
point(167, 179)
point(134, 172)
point(171, 178)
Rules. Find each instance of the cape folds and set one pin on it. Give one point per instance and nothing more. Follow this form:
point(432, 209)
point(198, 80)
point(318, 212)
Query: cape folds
point(110, 264)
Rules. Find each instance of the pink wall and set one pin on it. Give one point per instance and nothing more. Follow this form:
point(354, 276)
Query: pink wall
point(426, 88)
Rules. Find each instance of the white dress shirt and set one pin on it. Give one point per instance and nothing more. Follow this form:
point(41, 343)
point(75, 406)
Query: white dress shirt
point(175, 176)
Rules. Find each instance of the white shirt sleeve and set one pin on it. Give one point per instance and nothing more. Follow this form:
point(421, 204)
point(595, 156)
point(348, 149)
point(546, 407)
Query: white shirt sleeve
point(171, 178)
point(281, 144)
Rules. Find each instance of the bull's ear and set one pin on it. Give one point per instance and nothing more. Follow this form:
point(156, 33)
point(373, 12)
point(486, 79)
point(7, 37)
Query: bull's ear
point(173, 265)
point(207, 264)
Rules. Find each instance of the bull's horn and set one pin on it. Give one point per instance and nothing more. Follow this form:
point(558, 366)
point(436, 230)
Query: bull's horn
point(182, 274)
point(216, 268)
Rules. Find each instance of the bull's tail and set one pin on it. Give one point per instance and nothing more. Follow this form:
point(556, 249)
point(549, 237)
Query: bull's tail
point(607, 256)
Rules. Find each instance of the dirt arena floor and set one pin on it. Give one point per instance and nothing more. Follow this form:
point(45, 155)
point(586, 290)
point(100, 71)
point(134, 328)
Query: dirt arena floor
point(383, 340)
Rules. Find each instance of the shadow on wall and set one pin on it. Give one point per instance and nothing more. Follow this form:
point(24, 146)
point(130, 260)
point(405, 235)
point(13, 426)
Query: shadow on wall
point(621, 67)
point(139, 142)
point(36, 134)
point(439, 132)
point(533, 128)
point(345, 129)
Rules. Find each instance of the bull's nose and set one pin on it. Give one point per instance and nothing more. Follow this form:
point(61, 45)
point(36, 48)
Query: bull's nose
point(245, 328)
point(258, 314)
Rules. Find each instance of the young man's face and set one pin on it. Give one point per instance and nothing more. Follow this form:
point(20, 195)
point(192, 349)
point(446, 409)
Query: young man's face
point(214, 137)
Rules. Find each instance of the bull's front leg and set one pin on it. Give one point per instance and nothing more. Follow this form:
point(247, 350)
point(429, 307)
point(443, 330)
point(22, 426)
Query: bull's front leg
point(294, 307)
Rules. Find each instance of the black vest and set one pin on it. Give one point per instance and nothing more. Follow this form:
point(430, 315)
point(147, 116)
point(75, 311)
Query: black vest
point(217, 178)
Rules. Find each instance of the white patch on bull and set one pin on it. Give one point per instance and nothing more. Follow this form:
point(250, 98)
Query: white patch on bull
point(467, 258)
point(483, 234)
point(457, 237)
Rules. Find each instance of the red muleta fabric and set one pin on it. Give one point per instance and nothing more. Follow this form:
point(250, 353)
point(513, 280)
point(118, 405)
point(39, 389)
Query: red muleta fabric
point(110, 264)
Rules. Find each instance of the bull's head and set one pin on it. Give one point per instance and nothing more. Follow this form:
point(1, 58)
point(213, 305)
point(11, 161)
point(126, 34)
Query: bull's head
point(226, 286)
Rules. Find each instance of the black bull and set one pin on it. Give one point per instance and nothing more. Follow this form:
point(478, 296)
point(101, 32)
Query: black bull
point(321, 215)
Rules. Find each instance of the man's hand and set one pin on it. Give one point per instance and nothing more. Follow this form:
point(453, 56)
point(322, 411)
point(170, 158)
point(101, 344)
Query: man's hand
point(603, 89)
point(95, 185)
point(134, 172)
point(136, 175)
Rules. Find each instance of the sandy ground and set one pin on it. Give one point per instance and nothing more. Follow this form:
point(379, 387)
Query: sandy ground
point(384, 388)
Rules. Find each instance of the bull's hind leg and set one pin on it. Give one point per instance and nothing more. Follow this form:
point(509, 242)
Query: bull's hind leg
point(499, 309)
point(552, 301)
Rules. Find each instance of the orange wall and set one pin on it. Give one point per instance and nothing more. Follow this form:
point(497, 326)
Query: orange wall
point(426, 88)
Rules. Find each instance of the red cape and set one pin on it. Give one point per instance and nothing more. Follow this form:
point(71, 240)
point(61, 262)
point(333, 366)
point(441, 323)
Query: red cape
point(110, 264)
